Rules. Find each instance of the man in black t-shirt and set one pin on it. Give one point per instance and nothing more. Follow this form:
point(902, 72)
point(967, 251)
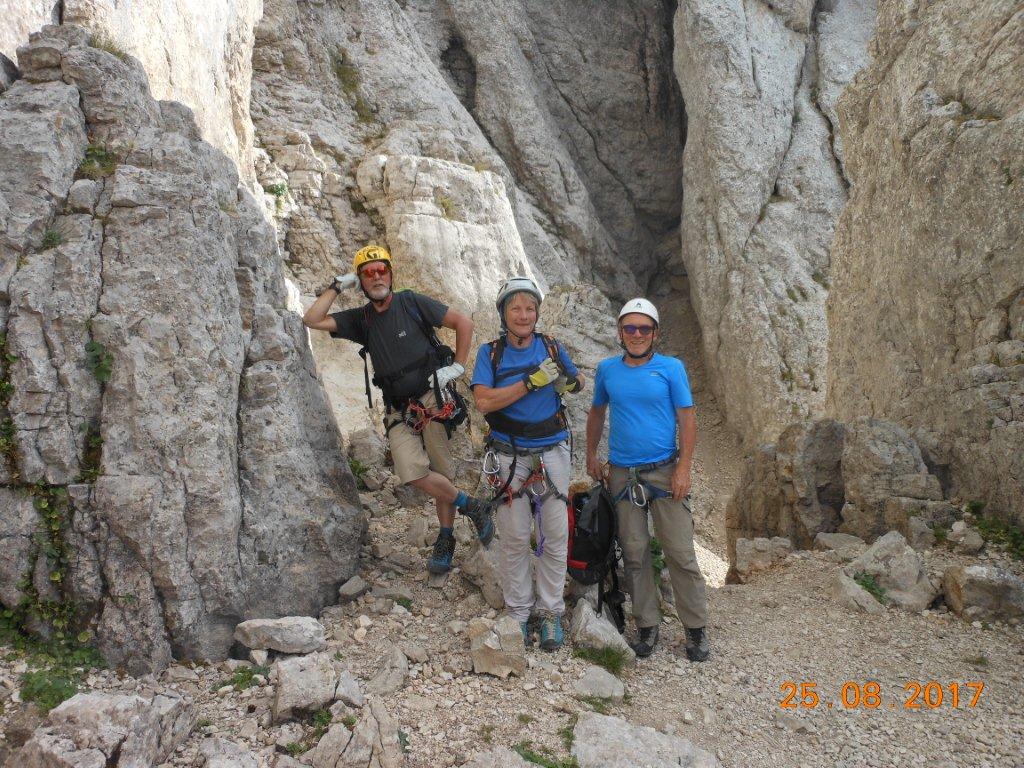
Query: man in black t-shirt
point(394, 329)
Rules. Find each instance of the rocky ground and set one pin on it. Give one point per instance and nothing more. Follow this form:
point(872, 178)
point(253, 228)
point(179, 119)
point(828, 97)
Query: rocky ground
point(782, 626)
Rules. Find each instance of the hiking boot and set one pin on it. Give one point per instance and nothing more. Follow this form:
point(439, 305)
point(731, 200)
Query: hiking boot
point(480, 513)
point(697, 648)
point(551, 635)
point(440, 560)
point(646, 640)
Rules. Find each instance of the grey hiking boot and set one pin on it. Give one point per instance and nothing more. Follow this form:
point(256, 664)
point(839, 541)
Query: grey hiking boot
point(480, 512)
point(697, 647)
point(646, 640)
point(440, 560)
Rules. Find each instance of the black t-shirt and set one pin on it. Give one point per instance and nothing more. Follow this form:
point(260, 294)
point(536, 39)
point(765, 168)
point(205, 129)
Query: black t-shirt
point(395, 337)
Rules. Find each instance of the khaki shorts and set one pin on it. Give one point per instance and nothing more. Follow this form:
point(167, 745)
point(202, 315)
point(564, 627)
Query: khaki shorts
point(416, 454)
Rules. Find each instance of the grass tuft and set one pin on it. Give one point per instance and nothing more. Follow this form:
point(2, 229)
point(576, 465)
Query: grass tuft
point(871, 585)
point(599, 705)
point(51, 239)
point(611, 659)
point(546, 760)
point(99, 163)
point(447, 205)
point(105, 43)
point(996, 531)
point(346, 72)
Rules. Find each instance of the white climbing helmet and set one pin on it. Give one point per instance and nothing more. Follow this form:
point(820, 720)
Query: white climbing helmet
point(518, 284)
point(640, 306)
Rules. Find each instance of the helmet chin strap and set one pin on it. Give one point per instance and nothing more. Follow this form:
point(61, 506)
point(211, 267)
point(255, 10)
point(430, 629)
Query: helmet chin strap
point(649, 352)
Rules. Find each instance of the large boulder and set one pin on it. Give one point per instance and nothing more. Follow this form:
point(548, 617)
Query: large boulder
point(984, 592)
point(898, 570)
point(886, 481)
point(291, 634)
point(863, 478)
point(753, 555)
point(105, 730)
point(497, 648)
point(600, 741)
point(373, 742)
point(204, 474)
point(591, 630)
point(304, 683)
point(927, 300)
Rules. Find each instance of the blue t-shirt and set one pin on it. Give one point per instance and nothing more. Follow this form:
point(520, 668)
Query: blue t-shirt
point(534, 406)
point(643, 402)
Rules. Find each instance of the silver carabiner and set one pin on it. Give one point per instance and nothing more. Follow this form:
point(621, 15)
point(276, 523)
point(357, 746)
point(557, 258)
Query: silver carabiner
point(637, 491)
point(491, 463)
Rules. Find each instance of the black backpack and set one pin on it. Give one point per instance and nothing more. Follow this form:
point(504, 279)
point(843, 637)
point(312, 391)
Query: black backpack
point(592, 553)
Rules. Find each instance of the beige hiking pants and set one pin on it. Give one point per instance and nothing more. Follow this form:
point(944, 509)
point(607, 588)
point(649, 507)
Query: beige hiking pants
point(515, 525)
point(673, 526)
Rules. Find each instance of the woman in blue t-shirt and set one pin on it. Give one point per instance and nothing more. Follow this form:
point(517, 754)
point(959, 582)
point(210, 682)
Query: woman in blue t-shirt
point(518, 385)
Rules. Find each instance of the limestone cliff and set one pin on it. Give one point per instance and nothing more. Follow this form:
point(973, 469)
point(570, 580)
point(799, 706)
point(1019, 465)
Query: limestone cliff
point(161, 408)
point(926, 313)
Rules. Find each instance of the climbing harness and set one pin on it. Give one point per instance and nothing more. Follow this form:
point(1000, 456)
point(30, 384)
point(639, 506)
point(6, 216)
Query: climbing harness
point(640, 492)
point(538, 485)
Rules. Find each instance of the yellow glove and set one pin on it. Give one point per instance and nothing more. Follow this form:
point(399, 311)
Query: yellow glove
point(564, 384)
point(542, 375)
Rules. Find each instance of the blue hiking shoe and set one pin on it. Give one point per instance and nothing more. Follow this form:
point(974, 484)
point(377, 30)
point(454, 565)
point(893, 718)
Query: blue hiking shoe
point(481, 514)
point(551, 635)
point(440, 560)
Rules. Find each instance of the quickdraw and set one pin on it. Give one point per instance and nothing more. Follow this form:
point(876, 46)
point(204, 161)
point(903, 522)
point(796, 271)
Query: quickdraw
point(641, 493)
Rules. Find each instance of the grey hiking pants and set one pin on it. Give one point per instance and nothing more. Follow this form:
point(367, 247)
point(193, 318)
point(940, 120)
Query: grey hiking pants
point(673, 526)
point(516, 523)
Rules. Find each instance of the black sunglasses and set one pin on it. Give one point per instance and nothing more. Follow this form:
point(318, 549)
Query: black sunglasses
point(643, 330)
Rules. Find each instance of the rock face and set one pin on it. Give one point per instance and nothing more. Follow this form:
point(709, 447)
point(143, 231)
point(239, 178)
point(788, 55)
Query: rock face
point(158, 386)
point(109, 730)
point(600, 741)
point(374, 743)
point(198, 52)
point(510, 90)
point(764, 187)
point(863, 478)
point(926, 312)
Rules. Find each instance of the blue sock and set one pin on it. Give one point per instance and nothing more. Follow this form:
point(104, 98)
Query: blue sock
point(447, 532)
point(461, 500)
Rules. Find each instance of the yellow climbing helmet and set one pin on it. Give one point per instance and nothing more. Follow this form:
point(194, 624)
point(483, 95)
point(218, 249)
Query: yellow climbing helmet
point(371, 253)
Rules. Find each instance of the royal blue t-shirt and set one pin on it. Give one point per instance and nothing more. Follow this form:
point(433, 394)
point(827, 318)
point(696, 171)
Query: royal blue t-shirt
point(643, 402)
point(534, 406)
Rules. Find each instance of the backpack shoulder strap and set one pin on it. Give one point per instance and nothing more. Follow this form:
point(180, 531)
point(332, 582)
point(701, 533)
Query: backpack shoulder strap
point(497, 351)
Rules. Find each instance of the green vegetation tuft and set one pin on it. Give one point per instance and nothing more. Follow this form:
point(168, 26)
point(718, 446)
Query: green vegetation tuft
point(611, 659)
point(242, 678)
point(524, 718)
point(996, 531)
point(446, 204)
point(568, 733)
point(405, 602)
point(820, 278)
point(363, 110)
point(99, 361)
point(51, 239)
point(60, 663)
point(544, 758)
point(349, 721)
point(599, 705)
point(99, 163)
point(871, 585)
point(105, 43)
point(346, 72)
point(981, 660)
point(359, 471)
point(974, 507)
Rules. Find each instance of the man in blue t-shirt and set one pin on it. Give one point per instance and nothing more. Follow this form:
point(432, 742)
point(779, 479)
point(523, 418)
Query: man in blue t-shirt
point(651, 440)
point(518, 383)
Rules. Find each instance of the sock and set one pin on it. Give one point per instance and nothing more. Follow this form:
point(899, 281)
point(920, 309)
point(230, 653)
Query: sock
point(447, 532)
point(461, 500)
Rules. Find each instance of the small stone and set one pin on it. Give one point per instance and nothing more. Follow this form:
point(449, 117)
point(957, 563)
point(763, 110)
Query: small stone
point(352, 589)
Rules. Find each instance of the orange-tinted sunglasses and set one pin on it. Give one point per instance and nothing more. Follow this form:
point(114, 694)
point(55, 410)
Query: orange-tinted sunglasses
point(374, 271)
